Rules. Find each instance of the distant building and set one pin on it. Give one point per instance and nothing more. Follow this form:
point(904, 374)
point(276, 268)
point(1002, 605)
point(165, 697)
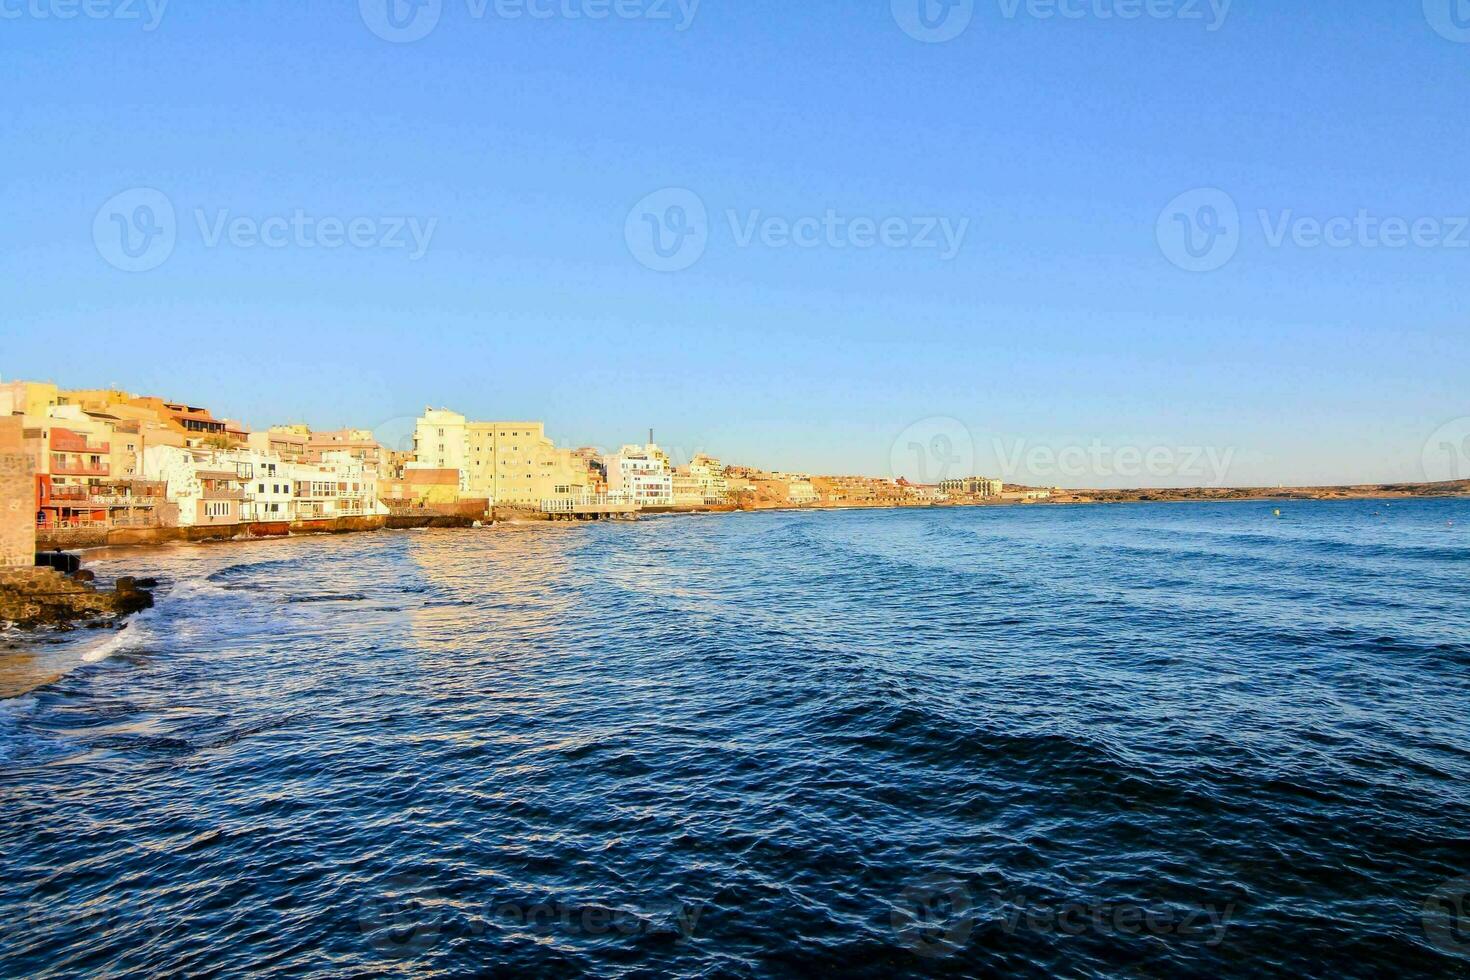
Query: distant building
point(858, 490)
point(973, 486)
point(640, 475)
point(286, 441)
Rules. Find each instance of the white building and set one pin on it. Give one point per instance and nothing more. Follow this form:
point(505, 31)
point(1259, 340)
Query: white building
point(640, 475)
point(229, 486)
point(356, 481)
point(208, 490)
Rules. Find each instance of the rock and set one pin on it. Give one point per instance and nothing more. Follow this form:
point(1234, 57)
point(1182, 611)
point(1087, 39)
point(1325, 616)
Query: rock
point(130, 598)
point(44, 597)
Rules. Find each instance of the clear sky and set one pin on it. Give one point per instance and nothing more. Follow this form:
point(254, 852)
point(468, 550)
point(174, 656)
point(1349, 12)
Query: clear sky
point(1050, 146)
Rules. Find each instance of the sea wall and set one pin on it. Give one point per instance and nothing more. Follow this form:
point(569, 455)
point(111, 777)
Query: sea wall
point(464, 513)
point(70, 538)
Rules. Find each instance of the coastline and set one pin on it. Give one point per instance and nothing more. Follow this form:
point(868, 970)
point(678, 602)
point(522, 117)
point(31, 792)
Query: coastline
point(142, 539)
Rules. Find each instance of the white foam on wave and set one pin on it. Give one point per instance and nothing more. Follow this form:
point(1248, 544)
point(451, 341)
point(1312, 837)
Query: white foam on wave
point(134, 633)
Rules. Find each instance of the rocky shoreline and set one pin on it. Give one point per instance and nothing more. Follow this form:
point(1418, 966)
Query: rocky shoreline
point(40, 597)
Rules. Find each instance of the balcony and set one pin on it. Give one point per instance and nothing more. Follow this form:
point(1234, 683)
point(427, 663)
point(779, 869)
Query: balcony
point(78, 469)
point(208, 494)
point(66, 441)
point(113, 500)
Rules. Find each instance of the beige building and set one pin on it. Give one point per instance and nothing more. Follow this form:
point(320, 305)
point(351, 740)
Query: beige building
point(510, 463)
point(973, 486)
point(17, 497)
point(33, 398)
point(286, 441)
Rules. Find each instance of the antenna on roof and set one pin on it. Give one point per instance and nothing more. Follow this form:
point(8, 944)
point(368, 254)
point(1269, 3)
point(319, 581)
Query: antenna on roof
point(650, 437)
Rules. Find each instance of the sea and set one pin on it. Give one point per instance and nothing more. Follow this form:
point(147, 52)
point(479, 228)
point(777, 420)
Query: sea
point(1149, 740)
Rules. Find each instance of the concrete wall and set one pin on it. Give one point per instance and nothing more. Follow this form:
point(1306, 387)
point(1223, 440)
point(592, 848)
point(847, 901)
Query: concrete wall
point(17, 497)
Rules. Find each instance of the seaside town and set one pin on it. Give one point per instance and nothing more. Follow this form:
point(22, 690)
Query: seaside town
point(104, 467)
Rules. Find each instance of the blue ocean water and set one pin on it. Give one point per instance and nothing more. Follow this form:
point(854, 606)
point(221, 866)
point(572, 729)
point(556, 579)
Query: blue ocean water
point(1143, 740)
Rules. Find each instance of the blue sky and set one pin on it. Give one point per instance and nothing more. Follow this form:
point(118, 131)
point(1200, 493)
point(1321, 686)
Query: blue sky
point(1061, 320)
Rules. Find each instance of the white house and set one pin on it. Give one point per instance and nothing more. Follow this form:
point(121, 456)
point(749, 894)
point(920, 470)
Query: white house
point(640, 475)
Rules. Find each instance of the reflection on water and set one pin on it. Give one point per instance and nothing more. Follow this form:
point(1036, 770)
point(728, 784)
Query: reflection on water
point(761, 744)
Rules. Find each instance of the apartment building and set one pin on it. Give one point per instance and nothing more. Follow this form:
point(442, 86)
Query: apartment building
point(796, 488)
point(33, 398)
point(229, 486)
point(508, 463)
point(289, 442)
point(208, 487)
point(710, 473)
point(640, 475)
point(973, 486)
point(359, 444)
point(857, 490)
